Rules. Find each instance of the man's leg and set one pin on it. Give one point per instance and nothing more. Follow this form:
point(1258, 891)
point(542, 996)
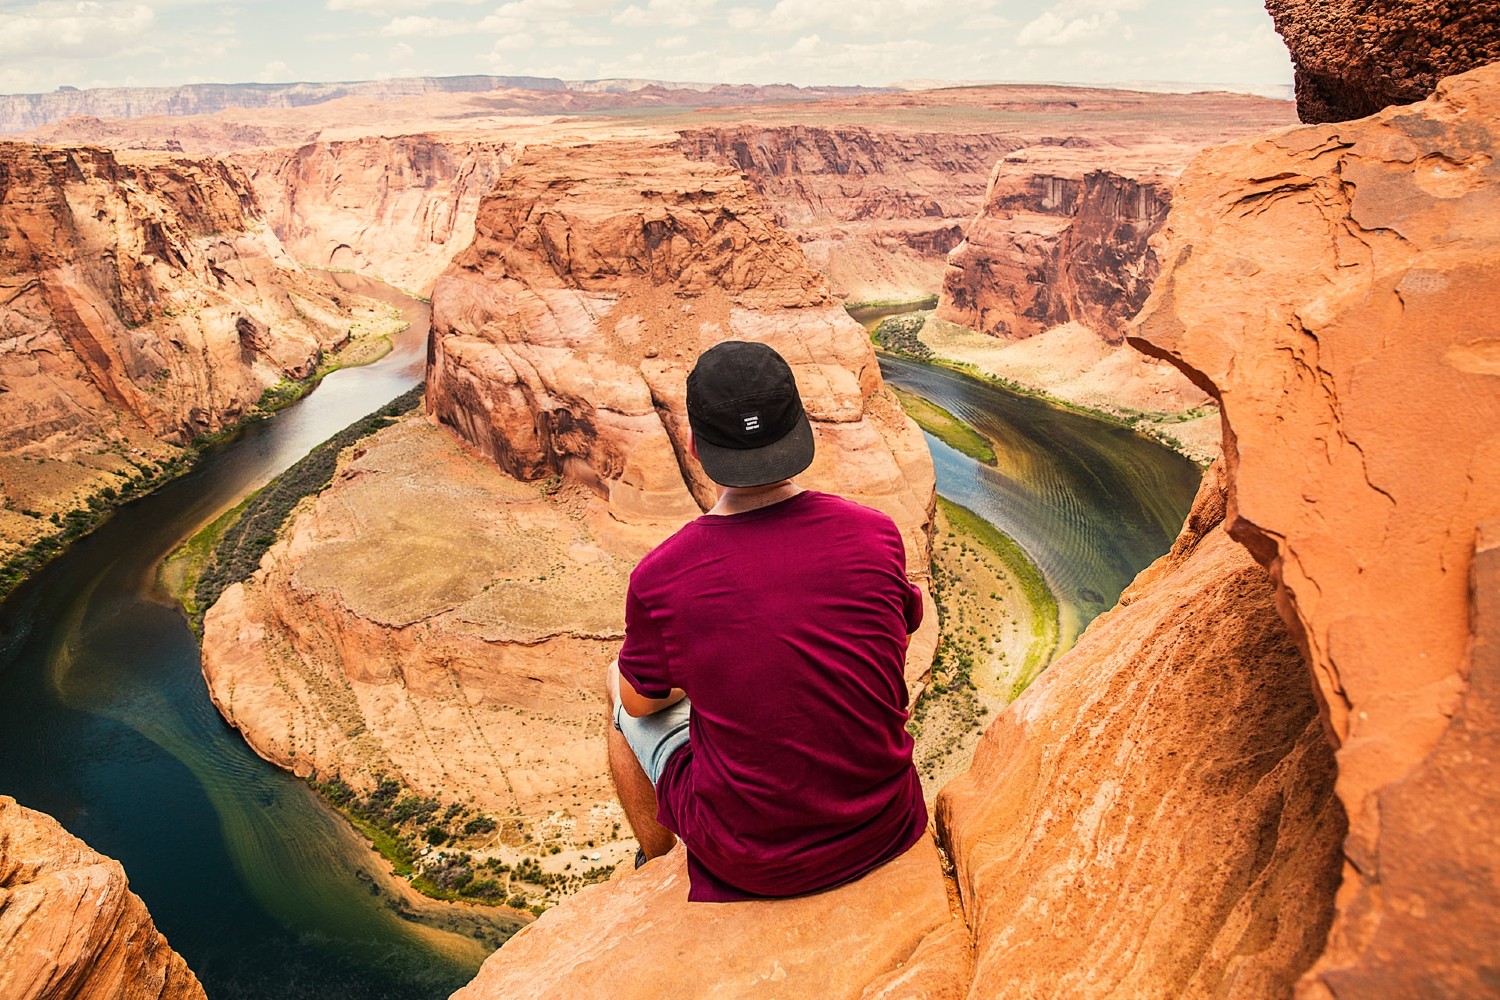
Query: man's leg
point(636, 793)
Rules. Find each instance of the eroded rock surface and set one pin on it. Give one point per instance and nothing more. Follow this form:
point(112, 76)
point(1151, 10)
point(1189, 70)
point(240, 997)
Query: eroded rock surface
point(69, 925)
point(1155, 816)
point(142, 300)
point(1334, 287)
point(397, 208)
point(1354, 57)
point(891, 935)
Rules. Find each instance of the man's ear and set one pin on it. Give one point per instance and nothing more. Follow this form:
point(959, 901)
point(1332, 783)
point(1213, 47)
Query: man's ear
point(692, 445)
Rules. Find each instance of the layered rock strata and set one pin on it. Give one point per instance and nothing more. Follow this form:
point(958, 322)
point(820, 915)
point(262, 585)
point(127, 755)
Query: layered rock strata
point(1063, 236)
point(396, 208)
point(69, 925)
point(142, 300)
point(876, 210)
point(1333, 287)
point(1354, 57)
point(1154, 817)
point(444, 612)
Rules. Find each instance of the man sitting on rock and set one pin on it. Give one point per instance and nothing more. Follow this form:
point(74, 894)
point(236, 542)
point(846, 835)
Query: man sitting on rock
point(759, 703)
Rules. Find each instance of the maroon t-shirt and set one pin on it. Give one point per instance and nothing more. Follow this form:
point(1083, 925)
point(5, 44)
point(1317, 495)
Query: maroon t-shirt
point(787, 628)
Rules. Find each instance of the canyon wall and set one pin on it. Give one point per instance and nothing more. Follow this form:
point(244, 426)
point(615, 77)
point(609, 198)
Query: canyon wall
point(394, 208)
point(1354, 57)
point(143, 301)
point(1155, 816)
point(875, 209)
point(445, 611)
point(1333, 287)
point(70, 928)
point(1062, 237)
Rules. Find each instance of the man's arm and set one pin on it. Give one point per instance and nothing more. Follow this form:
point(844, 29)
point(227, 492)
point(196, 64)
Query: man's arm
point(637, 705)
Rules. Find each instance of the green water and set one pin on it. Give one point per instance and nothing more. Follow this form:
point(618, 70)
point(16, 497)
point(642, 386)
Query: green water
point(106, 724)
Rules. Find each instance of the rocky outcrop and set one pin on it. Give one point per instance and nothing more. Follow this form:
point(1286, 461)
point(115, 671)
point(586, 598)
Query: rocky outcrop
point(1154, 817)
point(69, 925)
point(393, 208)
point(822, 946)
point(563, 336)
point(1333, 287)
point(875, 209)
point(1063, 237)
point(1354, 57)
point(142, 300)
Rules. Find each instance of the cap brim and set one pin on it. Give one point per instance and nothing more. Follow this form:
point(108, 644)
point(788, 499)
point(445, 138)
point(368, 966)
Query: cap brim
point(771, 463)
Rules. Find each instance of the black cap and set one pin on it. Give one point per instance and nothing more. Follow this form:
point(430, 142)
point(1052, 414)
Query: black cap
point(746, 415)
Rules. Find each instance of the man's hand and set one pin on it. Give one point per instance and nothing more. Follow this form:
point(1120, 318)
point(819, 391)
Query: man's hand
point(637, 705)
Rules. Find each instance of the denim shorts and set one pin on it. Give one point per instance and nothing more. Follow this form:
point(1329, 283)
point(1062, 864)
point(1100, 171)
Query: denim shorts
point(655, 737)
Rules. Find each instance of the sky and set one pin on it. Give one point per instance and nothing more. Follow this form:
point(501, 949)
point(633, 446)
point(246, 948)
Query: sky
point(45, 44)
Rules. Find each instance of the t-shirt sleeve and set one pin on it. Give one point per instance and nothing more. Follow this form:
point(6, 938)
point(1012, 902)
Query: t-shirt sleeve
point(642, 660)
point(913, 607)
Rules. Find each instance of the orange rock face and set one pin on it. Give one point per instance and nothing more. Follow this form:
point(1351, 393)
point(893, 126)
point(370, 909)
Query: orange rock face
point(1155, 816)
point(891, 935)
point(143, 289)
point(1333, 287)
point(69, 925)
point(1355, 57)
point(1062, 238)
point(395, 208)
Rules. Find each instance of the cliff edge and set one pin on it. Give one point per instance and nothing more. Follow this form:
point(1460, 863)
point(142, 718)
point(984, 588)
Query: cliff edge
point(69, 925)
point(1333, 287)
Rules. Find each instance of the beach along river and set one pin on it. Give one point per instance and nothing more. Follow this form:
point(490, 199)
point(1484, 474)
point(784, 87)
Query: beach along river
point(106, 724)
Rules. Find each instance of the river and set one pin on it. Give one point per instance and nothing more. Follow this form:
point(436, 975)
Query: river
point(106, 724)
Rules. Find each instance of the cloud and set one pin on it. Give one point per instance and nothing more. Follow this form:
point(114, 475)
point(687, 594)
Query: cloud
point(1053, 29)
point(665, 13)
point(425, 27)
point(72, 30)
point(276, 71)
point(387, 7)
point(885, 17)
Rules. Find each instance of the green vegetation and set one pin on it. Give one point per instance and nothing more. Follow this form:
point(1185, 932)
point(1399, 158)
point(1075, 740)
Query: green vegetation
point(1044, 613)
point(399, 825)
point(71, 525)
point(899, 335)
point(229, 550)
point(946, 427)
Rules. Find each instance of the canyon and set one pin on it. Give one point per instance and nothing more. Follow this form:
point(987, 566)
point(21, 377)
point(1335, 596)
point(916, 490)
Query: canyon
point(1267, 772)
point(144, 302)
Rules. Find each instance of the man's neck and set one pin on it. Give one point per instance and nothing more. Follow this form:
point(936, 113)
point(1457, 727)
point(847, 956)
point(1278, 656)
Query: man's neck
point(740, 499)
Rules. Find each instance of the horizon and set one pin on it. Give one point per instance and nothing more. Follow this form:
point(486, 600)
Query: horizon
point(51, 44)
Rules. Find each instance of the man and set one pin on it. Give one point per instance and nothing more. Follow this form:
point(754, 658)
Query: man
point(777, 622)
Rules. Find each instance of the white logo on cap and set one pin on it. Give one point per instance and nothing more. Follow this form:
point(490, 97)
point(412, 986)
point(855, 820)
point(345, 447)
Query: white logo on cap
point(752, 422)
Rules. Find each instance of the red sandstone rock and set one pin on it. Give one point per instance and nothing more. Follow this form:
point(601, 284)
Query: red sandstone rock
point(142, 291)
point(1063, 237)
point(394, 208)
point(1334, 287)
point(69, 925)
point(890, 935)
point(1155, 815)
point(1354, 57)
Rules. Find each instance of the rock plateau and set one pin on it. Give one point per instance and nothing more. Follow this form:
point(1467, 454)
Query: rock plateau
point(70, 928)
